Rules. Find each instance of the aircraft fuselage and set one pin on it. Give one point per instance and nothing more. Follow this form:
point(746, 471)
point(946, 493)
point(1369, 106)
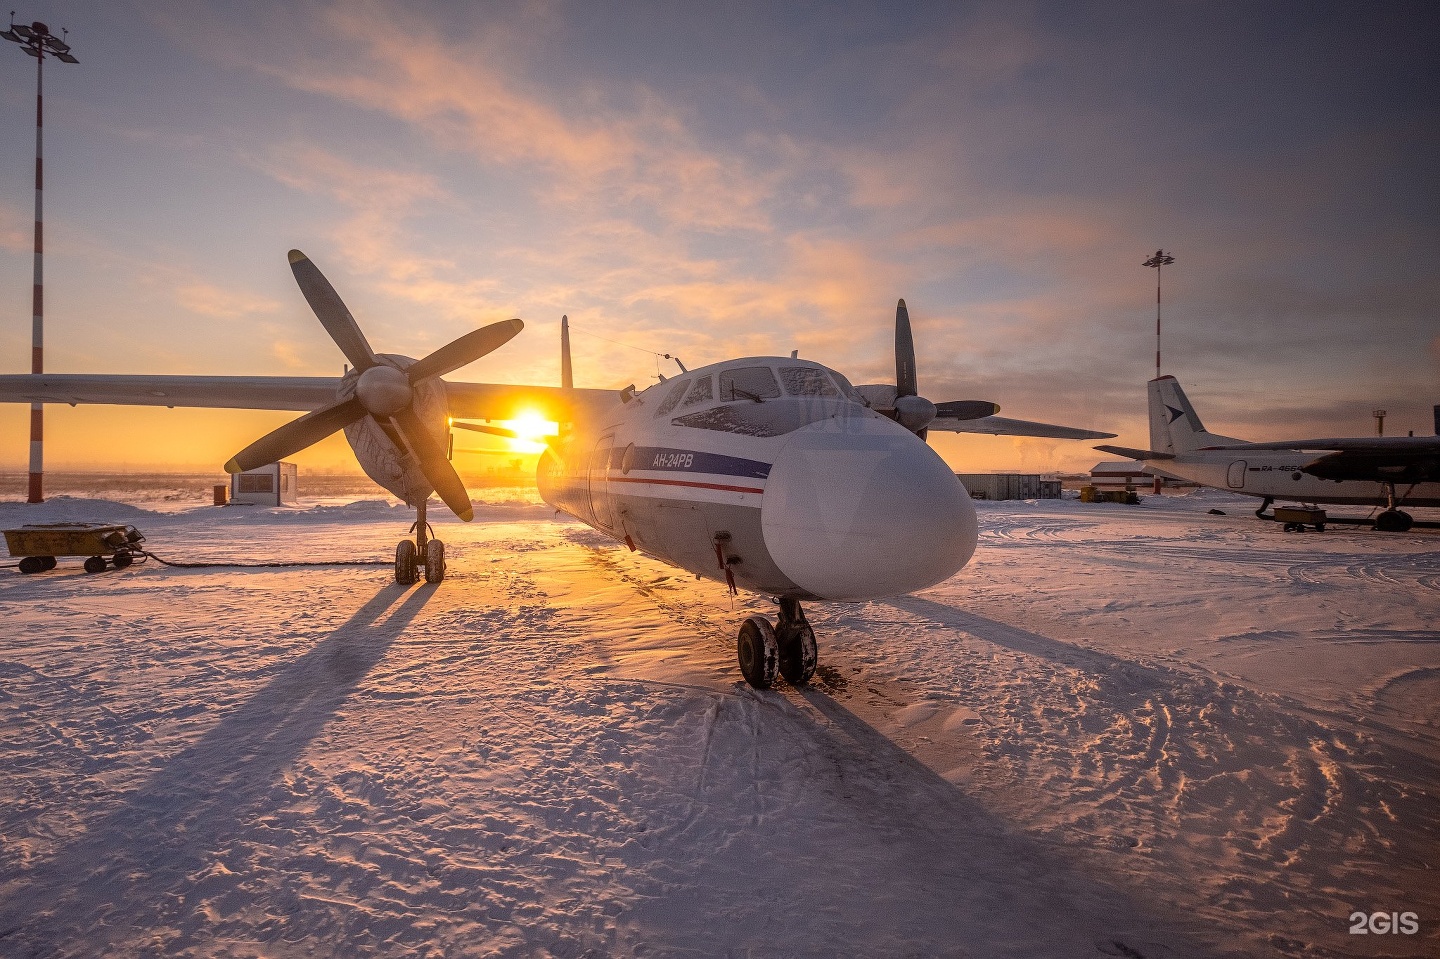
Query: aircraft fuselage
point(771, 474)
point(1282, 475)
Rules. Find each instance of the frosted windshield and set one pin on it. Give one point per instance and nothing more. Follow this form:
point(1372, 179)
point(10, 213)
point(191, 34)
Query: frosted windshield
point(806, 381)
point(748, 383)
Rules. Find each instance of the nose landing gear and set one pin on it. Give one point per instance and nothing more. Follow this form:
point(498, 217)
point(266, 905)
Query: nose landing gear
point(424, 553)
point(787, 648)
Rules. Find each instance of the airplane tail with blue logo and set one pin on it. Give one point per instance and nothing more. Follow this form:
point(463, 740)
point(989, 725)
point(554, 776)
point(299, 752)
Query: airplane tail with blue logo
point(1175, 428)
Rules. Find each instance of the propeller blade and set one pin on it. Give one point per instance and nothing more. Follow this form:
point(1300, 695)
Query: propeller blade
point(331, 311)
point(434, 465)
point(492, 430)
point(467, 349)
point(296, 435)
point(906, 382)
point(966, 409)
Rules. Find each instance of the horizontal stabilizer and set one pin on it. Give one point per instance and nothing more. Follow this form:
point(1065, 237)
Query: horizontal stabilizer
point(1002, 426)
point(1135, 454)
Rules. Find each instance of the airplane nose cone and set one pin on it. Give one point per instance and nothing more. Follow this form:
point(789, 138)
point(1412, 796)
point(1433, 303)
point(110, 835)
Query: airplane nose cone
point(857, 510)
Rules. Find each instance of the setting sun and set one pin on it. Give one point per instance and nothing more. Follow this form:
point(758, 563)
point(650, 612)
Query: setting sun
point(532, 429)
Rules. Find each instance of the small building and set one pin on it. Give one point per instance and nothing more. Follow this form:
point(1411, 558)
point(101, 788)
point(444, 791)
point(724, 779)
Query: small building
point(276, 484)
point(1127, 474)
point(1010, 485)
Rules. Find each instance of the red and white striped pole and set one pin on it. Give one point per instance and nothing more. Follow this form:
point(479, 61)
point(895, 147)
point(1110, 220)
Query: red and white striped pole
point(37, 329)
point(37, 41)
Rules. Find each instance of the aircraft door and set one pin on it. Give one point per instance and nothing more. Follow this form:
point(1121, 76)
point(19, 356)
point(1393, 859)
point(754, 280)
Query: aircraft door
point(1236, 477)
point(600, 482)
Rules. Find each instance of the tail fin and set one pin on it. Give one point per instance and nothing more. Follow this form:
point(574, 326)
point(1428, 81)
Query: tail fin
point(567, 376)
point(1174, 425)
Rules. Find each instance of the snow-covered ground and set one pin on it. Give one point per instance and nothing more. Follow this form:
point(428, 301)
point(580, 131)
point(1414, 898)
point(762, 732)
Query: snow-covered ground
point(1121, 731)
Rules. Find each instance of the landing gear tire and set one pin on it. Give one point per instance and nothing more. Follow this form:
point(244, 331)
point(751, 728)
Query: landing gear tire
point(798, 654)
point(405, 563)
point(434, 561)
point(1394, 521)
point(95, 564)
point(758, 652)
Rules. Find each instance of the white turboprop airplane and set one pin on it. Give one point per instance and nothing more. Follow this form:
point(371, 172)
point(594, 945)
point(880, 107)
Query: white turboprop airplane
point(770, 474)
point(1364, 470)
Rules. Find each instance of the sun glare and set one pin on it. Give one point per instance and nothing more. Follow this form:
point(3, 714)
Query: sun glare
point(532, 429)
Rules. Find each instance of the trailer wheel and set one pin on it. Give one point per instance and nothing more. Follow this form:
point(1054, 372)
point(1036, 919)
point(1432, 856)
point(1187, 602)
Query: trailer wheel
point(1319, 527)
point(32, 564)
point(122, 560)
point(95, 564)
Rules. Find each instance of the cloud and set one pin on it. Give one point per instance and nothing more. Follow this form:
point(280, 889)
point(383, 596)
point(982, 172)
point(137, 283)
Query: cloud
point(640, 152)
point(212, 301)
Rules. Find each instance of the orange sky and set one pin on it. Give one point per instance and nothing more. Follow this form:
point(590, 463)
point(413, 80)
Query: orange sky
point(750, 181)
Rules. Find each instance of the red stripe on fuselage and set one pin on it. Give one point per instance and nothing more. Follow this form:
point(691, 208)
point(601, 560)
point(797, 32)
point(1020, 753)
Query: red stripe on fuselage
point(690, 483)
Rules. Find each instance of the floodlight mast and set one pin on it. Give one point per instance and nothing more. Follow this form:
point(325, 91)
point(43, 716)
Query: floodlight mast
point(37, 41)
point(1161, 258)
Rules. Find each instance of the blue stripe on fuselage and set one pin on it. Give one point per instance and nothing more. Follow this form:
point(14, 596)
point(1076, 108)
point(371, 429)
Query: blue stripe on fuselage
point(670, 460)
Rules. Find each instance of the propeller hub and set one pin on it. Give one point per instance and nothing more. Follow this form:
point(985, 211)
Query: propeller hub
point(383, 391)
point(914, 412)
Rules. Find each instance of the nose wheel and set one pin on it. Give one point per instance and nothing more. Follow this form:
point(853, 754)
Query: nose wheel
point(786, 648)
point(424, 554)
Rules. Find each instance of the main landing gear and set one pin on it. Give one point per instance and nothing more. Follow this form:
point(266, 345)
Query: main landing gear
point(424, 553)
point(1393, 520)
point(787, 648)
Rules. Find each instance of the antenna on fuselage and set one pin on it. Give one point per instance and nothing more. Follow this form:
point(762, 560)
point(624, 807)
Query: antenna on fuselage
point(567, 375)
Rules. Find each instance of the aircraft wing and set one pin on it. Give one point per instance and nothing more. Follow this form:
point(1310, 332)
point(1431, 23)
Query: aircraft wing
point(492, 401)
point(499, 401)
point(1353, 444)
point(1003, 426)
point(298, 393)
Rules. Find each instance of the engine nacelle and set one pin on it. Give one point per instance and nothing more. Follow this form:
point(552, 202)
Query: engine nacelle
point(378, 448)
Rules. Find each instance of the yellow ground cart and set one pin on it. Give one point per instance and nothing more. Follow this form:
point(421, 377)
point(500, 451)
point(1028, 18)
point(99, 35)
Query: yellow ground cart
point(106, 545)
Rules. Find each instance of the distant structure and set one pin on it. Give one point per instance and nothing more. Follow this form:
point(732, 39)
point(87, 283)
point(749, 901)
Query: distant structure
point(1009, 485)
point(1379, 421)
point(37, 41)
point(275, 484)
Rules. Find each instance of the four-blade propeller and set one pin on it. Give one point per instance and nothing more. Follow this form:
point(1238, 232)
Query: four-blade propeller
point(910, 409)
point(382, 391)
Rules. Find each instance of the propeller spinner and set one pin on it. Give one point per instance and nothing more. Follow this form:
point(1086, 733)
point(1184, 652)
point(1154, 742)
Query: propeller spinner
point(383, 391)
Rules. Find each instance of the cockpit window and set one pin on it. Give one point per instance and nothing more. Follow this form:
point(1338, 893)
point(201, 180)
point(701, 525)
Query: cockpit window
point(846, 388)
point(671, 398)
point(806, 381)
point(700, 392)
point(748, 383)
point(774, 418)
